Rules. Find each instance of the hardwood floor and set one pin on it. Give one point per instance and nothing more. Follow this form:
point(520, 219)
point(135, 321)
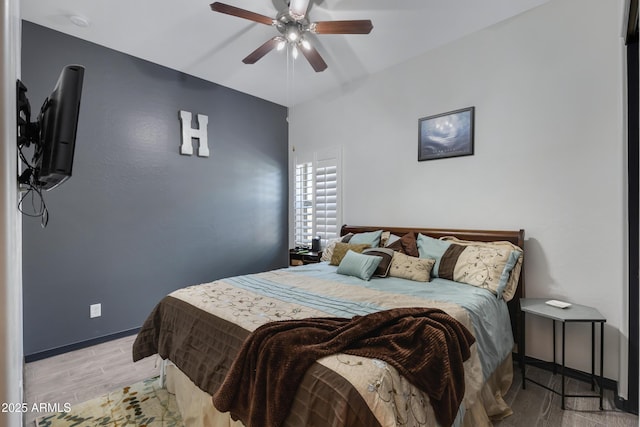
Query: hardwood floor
point(81, 375)
point(84, 374)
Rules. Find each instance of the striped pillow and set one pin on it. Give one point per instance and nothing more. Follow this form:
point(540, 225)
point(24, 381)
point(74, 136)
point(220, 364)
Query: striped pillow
point(386, 255)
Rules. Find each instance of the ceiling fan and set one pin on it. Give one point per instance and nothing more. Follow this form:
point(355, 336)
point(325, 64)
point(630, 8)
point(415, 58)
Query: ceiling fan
point(292, 23)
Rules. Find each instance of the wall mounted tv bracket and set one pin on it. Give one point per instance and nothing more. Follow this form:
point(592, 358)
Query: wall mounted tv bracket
point(28, 131)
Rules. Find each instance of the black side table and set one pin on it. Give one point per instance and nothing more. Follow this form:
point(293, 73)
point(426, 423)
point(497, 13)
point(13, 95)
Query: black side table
point(574, 313)
point(303, 256)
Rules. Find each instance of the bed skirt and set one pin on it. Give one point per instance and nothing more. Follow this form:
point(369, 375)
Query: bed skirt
point(197, 409)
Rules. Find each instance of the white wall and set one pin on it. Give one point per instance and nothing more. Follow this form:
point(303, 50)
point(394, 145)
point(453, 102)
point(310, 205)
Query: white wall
point(11, 364)
point(549, 153)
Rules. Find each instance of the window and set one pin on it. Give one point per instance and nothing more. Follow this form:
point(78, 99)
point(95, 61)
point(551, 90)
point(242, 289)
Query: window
point(317, 197)
point(303, 205)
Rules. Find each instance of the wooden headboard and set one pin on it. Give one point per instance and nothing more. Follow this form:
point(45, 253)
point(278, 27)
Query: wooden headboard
point(515, 237)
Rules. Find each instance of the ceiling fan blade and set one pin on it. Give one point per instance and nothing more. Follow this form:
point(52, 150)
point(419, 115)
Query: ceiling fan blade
point(257, 54)
point(363, 26)
point(298, 9)
point(314, 58)
point(241, 13)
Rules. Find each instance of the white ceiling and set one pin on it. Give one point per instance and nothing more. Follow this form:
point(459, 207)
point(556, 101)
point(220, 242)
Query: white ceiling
point(186, 35)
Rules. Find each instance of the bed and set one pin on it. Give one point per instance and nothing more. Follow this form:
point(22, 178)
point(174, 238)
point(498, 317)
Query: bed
point(202, 329)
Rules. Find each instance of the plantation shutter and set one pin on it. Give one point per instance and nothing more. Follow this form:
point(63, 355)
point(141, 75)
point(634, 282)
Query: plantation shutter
point(317, 198)
point(303, 204)
point(326, 199)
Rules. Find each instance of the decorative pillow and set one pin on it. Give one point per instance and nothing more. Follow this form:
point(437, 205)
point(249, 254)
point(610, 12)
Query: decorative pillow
point(412, 268)
point(346, 238)
point(341, 249)
point(508, 272)
point(328, 250)
point(386, 254)
point(510, 275)
point(358, 265)
point(428, 247)
point(391, 240)
point(406, 245)
point(371, 238)
point(384, 238)
point(482, 264)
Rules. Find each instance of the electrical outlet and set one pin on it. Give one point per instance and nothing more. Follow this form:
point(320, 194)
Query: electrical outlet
point(95, 310)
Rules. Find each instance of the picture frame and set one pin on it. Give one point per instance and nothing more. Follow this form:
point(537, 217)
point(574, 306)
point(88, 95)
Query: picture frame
point(445, 135)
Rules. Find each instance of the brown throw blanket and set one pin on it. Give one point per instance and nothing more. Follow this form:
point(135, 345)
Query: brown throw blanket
point(426, 345)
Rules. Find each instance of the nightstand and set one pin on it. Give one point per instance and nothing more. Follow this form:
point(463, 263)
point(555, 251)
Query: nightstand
point(572, 314)
point(301, 257)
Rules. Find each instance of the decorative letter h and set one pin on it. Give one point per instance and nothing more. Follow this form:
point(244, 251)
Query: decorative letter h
point(188, 133)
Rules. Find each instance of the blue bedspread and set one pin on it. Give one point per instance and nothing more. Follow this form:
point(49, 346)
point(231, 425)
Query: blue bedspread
point(489, 315)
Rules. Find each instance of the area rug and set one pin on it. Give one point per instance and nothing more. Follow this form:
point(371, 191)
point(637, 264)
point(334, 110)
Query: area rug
point(143, 404)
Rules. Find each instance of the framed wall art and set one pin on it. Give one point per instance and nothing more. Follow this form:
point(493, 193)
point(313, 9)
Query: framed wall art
point(446, 135)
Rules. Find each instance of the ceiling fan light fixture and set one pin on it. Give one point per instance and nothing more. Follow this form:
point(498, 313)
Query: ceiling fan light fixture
point(293, 25)
point(293, 34)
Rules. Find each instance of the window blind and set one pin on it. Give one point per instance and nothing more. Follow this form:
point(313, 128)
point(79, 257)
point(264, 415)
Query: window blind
point(317, 198)
point(303, 204)
point(326, 200)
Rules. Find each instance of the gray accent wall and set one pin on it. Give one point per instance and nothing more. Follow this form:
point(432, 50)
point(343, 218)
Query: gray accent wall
point(138, 220)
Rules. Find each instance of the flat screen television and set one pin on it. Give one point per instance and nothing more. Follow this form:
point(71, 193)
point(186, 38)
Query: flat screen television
point(54, 133)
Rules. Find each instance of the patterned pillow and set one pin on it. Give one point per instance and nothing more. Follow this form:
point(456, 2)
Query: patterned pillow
point(341, 249)
point(499, 262)
point(412, 268)
point(386, 254)
point(328, 250)
point(485, 265)
point(406, 245)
